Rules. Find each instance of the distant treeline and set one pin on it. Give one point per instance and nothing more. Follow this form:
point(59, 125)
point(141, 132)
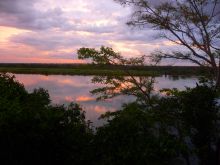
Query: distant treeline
point(94, 69)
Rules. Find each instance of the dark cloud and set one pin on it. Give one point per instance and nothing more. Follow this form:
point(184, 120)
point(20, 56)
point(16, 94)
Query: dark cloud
point(23, 14)
point(16, 6)
point(17, 13)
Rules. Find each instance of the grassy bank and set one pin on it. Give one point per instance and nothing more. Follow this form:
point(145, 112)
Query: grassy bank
point(90, 69)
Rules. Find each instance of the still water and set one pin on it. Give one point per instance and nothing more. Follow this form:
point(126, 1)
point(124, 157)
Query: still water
point(66, 89)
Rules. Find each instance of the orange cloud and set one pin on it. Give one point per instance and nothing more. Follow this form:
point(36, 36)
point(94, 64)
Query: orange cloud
point(84, 98)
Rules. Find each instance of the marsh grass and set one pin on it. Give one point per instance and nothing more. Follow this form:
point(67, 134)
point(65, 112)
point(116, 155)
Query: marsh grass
point(90, 69)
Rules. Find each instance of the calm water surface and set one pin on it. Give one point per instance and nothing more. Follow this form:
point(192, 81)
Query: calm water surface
point(66, 89)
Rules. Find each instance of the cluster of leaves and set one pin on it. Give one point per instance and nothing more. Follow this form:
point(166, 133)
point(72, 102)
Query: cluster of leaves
point(32, 131)
point(132, 137)
point(179, 127)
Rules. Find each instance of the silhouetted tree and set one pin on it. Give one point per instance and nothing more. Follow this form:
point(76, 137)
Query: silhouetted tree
point(140, 87)
point(192, 24)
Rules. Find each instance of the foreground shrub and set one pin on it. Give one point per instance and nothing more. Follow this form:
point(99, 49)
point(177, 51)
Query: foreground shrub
point(34, 132)
point(181, 128)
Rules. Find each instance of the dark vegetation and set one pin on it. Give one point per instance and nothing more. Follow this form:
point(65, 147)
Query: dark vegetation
point(181, 127)
point(34, 132)
point(103, 69)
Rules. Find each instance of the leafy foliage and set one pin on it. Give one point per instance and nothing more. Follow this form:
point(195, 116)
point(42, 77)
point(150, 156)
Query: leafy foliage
point(176, 129)
point(131, 137)
point(34, 132)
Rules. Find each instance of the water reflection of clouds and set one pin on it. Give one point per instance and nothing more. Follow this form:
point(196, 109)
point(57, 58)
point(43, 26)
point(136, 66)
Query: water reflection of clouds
point(33, 80)
point(84, 99)
point(69, 99)
point(66, 89)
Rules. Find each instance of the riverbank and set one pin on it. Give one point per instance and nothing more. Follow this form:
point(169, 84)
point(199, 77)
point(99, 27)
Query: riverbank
point(91, 69)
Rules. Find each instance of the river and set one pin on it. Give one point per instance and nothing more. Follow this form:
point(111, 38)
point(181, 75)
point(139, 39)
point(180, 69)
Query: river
point(65, 89)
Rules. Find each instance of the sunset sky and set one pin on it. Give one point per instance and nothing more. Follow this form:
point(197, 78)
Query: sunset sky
point(51, 31)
